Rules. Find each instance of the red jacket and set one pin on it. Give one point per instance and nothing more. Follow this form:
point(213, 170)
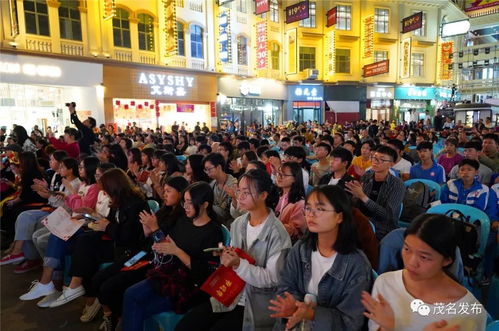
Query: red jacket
point(72, 149)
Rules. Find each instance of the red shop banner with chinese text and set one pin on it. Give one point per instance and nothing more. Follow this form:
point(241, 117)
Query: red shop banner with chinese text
point(261, 45)
point(262, 6)
point(377, 68)
point(445, 60)
point(331, 17)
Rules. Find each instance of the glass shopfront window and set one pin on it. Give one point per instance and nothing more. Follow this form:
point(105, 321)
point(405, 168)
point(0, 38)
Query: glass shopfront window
point(248, 111)
point(304, 111)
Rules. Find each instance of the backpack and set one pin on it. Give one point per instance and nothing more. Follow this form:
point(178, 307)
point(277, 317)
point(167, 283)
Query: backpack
point(468, 240)
point(416, 201)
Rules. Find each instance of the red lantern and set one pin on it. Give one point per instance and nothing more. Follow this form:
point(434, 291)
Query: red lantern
point(126, 107)
point(157, 113)
point(146, 103)
point(118, 102)
point(140, 106)
point(151, 106)
point(132, 103)
point(157, 102)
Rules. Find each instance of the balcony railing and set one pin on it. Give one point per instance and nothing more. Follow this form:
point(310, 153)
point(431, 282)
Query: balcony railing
point(229, 68)
point(196, 5)
point(74, 48)
point(39, 44)
point(197, 64)
point(123, 55)
point(147, 57)
point(177, 61)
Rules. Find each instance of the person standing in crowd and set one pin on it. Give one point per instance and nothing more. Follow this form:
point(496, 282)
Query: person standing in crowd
point(438, 121)
point(380, 194)
point(86, 129)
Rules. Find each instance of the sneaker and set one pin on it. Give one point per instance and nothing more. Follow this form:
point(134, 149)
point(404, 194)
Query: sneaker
point(12, 259)
point(28, 265)
point(45, 302)
point(107, 323)
point(68, 294)
point(38, 290)
point(89, 312)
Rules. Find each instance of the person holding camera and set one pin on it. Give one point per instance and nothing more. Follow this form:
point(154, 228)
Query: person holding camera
point(86, 129)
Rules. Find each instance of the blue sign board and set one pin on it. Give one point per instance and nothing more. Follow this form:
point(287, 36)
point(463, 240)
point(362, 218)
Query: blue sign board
point(422, 93)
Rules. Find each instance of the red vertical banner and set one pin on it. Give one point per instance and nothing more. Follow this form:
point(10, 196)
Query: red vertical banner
point(331, 17)
point(445, 60)
point(261, 45)
point(262, 6)
point(213, 109)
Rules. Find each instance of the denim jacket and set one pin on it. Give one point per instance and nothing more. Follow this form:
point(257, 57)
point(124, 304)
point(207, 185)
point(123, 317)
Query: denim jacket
point(338, 302)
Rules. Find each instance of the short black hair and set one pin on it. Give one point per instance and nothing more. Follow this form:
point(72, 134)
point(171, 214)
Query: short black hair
point(255, 142)
point(473, 163)
point(72, 132)
point(296, 151)
point(214, 158)
point(474, 144)
point(425, 145)
point(351, 143)
point(300, 139)
point(227, 146)
point(492, 136)
point(260, 150)
point(270, 152)
point(201, 139)
point(387, 151)
point(327, 138)
point(326, 146)
point(204, 146)
point(396, 143)
point(285, 139)
point(243, 145)
point(343, 154)
point(92, 122)
point(59, 155)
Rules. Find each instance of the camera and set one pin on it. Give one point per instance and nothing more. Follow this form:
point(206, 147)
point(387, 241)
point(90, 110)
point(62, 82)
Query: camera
point(71, 104)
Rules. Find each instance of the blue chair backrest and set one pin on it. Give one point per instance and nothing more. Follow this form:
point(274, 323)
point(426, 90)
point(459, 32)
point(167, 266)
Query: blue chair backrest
point(494, 326)
point(153, 206)
point(473, 213)
point(181, 158)
point(226, 235)
point(434, 186)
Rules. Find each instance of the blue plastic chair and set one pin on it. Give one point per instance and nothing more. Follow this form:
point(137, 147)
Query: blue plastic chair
point(494, 326)
point(153, 206)
point(226, 235)
point(468, 211)
point(434, 186)
point(181, 158)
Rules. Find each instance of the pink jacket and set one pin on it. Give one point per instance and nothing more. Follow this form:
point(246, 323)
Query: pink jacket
point(88, 199)
point(291, 215)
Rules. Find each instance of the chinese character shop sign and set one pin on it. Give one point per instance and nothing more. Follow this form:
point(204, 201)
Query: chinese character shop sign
point(368, 37)
point(412, 22)
point(224, 38)
point(376, 68)
point(445, 60)
point(406, 58)
point(169, 85)
point(297, 12)
point(262, 6)
point(308, 92)
point(331, 17)
point(261, 44)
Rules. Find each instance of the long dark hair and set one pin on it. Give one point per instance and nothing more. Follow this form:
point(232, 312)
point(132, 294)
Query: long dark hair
point(28, 164)
point(172, 164)
point(116, 183)
point(90, 163)
point(438, 232)
point(21, 135)
point(198, 173)
point(202, 192)
point(297, 191)
point(118, 157)
point(262, 182)
point(346, 241)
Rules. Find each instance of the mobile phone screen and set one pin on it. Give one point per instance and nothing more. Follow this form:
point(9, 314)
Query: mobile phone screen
point(135, 259)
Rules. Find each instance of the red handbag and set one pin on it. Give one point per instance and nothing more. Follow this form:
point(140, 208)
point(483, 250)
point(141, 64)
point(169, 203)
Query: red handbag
point(224, 284)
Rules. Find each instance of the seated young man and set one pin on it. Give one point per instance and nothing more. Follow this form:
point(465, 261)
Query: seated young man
point(467, 190)
point(473, 151)
point(341, 159)
point(427, 168)
point(401, 165)
point(380, 194)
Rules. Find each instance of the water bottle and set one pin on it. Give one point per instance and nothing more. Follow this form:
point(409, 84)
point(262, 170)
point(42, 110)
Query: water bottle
point(311, 301)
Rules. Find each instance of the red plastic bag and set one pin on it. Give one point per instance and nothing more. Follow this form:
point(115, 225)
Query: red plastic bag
point(224, 284)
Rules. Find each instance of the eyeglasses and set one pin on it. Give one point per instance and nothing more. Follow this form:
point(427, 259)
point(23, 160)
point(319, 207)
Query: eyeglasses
point(186, 204)
point(280, 174)
point(317, 211)
point(242, 194)
point(374, 159)
point(208, 170)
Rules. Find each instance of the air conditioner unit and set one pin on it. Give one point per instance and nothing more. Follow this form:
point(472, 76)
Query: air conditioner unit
point(312, 73)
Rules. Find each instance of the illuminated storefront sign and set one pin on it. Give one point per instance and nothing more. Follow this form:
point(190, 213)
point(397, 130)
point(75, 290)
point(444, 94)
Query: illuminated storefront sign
point(261, 44)
point(330, 53)
point(422, 93)
point(250, 89)
point(377, 68)
point(297, 12)
point(307, 92)
point(170, 27)
point(161, 84)
point(412, 22)
point(262, 6)
point(224, 38)
point(380, 92)
point(445, 60)
point(406, 58)
point(109, 9)
point(368, 50)
point(29, 69)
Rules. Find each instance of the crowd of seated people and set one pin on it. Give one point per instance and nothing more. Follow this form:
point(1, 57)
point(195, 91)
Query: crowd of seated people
point(309, 203)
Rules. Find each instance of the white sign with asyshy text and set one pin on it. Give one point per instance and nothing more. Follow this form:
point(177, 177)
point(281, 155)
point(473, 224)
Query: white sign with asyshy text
point(162, 84)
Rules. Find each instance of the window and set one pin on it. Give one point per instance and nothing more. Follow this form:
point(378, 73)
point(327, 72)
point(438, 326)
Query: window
point(307, 58)
point(180, 39)
point(241, 6)
point(344, 17)
point(197, 41)
point(310, 21)
point(342, 61)
point(37, 17)
point(274, 56)
point(146, 32)
point(380, 56)
point(417, 64)
point(274, 11)
point(121, 28)
point(421, 31)
point(381, 20)
point(242, 50)
point(69, 20)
